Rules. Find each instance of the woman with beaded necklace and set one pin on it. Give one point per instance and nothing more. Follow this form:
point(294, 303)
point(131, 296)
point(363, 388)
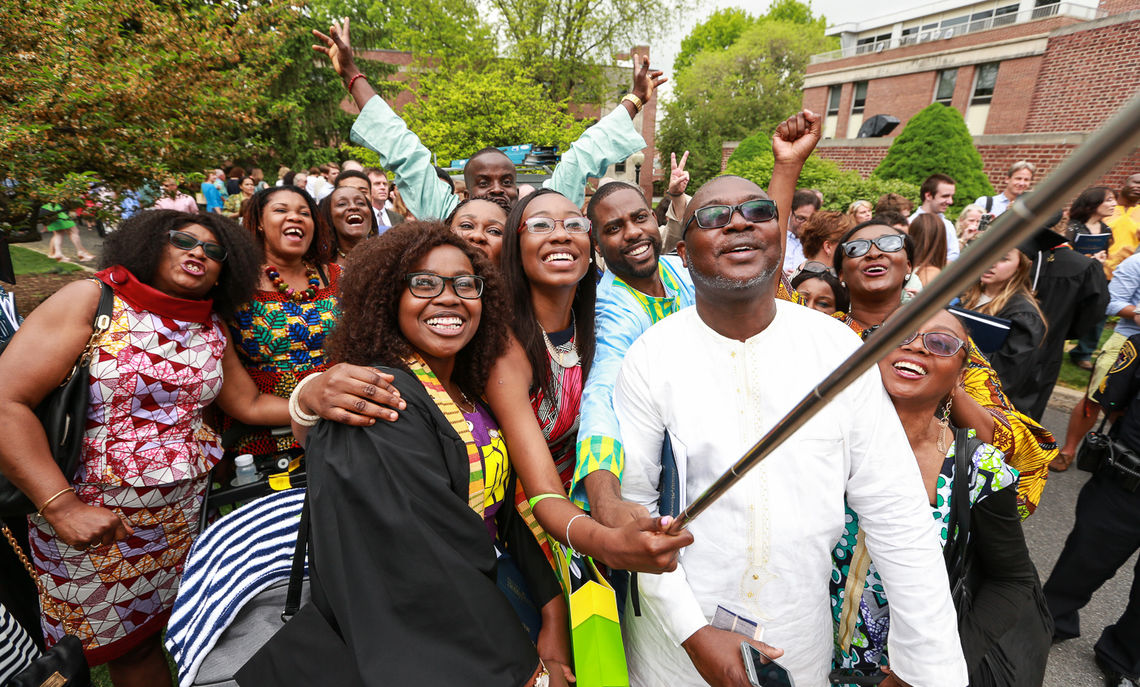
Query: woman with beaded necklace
point(280, 333)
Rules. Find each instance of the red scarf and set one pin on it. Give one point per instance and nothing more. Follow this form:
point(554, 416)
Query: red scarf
point(143, 297)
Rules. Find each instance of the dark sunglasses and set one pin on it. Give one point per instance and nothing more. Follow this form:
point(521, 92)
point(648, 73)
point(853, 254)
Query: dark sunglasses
point(188, 242)
point(715, 216)
point(888, 243)
point(812, 267)
point(937, 343)
point(429, 285)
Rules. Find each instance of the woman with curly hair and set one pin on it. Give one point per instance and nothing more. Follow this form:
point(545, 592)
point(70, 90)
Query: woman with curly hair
point(345, 216)
point(110, 540)
point(280, 332)
point(427, 496)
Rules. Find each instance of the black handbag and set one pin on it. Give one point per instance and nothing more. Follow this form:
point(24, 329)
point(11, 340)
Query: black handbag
point(63, 665)
point(1018, 657)
point(63, 414)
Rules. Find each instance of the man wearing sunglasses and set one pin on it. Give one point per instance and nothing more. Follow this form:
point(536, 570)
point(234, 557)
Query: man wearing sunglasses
point(737, 363)
point(642, 287)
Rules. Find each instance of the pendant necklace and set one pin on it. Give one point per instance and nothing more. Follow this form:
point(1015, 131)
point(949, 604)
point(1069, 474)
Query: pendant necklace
point(564, 359)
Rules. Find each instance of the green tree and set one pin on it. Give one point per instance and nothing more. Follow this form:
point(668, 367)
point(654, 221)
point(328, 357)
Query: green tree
point(937, 140)
point(459, 112)
point(718, 32)
point(564, 42)
point(728, 94)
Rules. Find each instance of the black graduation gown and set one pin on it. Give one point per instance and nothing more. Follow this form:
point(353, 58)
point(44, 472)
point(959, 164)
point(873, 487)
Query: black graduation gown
point(1026, 334)
point(401, 567)
point(1073, 294)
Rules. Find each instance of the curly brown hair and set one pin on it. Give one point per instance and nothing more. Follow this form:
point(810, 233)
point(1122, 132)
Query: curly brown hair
point(374, 280)
point(823, 226)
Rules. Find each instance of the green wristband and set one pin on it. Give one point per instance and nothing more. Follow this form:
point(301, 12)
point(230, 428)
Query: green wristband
point(534, 502)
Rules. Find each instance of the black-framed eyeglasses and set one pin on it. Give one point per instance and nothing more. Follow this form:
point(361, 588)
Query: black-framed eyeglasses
point(430, 285)
point(716, 216)
point(888, 243)
point(186, 241)
point(940, 344)
point(813, 268)
point(545, 225)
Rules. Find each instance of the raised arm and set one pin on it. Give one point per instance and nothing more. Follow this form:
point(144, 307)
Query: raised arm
point(381, 130)
point(792, 143)
point(613, 139)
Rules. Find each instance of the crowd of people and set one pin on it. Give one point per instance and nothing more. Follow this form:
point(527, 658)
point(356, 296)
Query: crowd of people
point(485, 371)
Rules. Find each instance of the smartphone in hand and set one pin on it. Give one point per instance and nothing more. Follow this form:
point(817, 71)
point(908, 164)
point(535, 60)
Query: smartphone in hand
point(762, 670)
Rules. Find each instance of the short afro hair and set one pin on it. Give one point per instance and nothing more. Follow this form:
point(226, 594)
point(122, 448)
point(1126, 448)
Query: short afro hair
point(604, 192)
point(138, 245)
point(375, 279)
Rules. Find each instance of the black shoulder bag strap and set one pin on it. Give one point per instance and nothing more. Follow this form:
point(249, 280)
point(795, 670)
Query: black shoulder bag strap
point(297, 572)
point(990, 204)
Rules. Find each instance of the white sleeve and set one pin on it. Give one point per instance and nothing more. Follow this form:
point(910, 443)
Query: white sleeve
point(666, 599)
point(885, 488)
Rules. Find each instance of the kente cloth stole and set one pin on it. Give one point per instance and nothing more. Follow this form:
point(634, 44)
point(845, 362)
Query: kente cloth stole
point(475, 487)
point(656, 309)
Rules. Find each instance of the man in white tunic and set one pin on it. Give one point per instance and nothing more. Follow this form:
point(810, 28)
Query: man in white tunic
point(719, 375)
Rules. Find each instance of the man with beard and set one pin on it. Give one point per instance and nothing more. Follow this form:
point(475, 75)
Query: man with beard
point(641, 287)
point(489, 174)
point(717, 377)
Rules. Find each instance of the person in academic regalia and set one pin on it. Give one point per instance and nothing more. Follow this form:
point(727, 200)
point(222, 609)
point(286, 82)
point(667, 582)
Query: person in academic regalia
point(406, 516)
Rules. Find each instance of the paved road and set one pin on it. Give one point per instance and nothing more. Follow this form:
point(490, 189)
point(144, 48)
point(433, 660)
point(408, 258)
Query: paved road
point(1071, 663)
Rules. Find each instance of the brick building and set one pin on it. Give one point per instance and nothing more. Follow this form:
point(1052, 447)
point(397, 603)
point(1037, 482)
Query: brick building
point(1032, 78)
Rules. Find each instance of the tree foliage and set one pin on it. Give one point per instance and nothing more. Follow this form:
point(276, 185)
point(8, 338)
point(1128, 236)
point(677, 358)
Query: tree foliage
point(565, 41)
point(753, 85)
point(937, 140)
point(718, 32)
point(459, 112)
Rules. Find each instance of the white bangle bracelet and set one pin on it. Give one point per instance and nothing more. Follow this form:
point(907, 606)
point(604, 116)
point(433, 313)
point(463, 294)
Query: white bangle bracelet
point(580, 515)
point(295, 413)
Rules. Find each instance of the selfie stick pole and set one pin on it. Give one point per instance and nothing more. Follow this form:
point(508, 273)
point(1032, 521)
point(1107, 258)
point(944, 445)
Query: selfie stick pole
point(1119, 136)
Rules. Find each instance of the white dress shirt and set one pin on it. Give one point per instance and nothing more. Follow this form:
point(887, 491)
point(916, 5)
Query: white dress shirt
point(793, 253)
point(764, 549)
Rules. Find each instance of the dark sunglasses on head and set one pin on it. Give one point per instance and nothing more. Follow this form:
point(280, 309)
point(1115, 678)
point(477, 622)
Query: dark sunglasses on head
point(430, 285)
point(937, 343)
point(813, 267)
point(715, 216)
point(888, 243)
point(188, 242)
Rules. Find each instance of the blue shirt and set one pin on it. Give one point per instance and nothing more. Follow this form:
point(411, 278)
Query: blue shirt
point(212, 195)
point(1124, 290)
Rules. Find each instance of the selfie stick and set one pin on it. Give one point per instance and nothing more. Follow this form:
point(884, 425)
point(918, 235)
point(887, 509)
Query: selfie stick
point(1025, 216)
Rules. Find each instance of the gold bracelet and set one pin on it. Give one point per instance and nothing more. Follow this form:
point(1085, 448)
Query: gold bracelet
point(53, 497)
point(633, 100)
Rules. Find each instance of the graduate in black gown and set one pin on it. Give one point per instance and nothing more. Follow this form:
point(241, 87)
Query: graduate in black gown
point(1073, 294)
point(406, 515)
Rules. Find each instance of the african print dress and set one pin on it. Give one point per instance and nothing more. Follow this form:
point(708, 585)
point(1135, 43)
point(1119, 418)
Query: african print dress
point(280, 342)
point(866, 648)
point(146, 455)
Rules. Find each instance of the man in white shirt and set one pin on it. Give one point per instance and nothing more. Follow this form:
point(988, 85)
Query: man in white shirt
point(740, 360)
point(937, 195)
point(805, 203)
point(1017, 181)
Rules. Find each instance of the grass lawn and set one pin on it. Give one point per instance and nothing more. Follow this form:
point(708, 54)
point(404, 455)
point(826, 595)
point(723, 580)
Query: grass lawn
point(27, 261)
point(1074, 377)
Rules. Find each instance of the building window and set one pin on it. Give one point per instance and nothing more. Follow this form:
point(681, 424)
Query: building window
point(979, 21)
point(1004, 16)
point(984, 80)
point(833, 94)
point(944, 91)
point(1045, 8)
point(872, 43)
point(859, 98)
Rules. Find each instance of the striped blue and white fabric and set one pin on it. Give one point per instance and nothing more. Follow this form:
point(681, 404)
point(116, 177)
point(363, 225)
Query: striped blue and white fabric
point(16, 648)
point(231, 562)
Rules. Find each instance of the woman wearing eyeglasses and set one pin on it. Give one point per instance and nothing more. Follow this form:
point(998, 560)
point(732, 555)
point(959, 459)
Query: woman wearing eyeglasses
point(874, 262)
point(406, 516)
point(110, 540)
point(280, 332)
point(921, 376)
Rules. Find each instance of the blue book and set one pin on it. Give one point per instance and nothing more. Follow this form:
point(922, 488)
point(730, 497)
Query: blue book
point(988, 332)
point(1091, 244)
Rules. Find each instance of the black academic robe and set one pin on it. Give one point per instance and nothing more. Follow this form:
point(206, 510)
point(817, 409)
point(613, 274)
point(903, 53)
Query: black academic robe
point(1073, 294)
point(401, 567)
point(1026, 335)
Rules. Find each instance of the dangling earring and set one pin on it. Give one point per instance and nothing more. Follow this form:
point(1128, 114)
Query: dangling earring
point(907, 277)
point(944, 424)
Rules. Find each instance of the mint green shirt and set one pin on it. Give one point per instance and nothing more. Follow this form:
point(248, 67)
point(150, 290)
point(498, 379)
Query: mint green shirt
point(611, 140)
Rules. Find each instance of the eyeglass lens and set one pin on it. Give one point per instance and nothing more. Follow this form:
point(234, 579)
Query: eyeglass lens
point(188, 242)
point(428, 285)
